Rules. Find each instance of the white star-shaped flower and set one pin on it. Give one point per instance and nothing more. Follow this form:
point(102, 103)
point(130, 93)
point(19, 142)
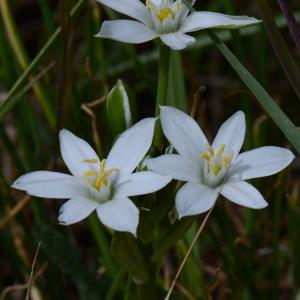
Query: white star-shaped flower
point(168, 20)
point(214, 169)
point(101, 185)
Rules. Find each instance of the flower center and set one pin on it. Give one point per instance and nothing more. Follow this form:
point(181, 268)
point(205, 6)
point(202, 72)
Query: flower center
point(164, 9)
point(97, 179)
point(217, 162)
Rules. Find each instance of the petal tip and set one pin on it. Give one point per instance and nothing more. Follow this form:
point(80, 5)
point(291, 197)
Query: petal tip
point(63, 132)
point(263, 205)
point(14, 185)
point(292, 156)
point(240, 114)
point(17, 184)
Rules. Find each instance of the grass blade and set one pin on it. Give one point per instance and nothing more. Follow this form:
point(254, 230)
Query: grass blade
point(32, 66)
point(272, 109)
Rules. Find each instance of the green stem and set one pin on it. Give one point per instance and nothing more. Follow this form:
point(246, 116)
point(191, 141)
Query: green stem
point(163, 77)
point(128, 288)
point(162, 90)
point(115, 287)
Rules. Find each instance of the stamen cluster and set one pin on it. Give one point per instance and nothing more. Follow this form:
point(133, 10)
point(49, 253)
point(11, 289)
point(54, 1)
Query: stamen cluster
point(165, 10)
point(100, 178)
point(216, 162)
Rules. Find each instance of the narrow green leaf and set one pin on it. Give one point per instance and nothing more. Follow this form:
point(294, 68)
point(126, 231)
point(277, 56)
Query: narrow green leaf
point(272, 109)
point(126, 252)
point(23, 59)
point(121, 108)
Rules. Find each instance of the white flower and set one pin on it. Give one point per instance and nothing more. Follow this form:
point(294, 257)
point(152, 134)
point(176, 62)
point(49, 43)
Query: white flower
point(214, 169)
point(101, 185)
point(167, 19)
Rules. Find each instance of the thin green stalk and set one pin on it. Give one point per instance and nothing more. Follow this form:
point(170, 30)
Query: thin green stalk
point(270, 106)
point(163, 77)
point(162, 89)
point(127, 293)
point(288, 63)
point(176, 86)
point(23, 59)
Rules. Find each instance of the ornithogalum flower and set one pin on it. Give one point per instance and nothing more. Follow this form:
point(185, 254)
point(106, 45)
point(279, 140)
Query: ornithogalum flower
point(101, 185)
point(214, 169)
point(168, 20)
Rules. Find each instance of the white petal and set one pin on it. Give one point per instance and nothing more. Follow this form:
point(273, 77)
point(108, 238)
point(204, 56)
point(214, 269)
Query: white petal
point(260, 162)
point(50, 185)
point(231, 134)
point(243, 193)
point(75, 210)
point(126, 31)
point(119, 214)
point(132, 8)
point(194, 198)
point(176, 166)
point(131, 146)
point(183, 132)
point(141, 183)
point(201, 20)
point(177, 40)
point(74, 151)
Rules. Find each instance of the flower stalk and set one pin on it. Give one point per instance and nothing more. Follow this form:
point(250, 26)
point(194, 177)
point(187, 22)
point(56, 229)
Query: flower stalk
point(163, 77)
point(162, 89)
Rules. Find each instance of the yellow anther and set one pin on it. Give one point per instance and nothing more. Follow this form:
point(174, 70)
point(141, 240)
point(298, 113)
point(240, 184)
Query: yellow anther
point(150, 5)
point(110, 171)
point(101, 175)
point(221, 150)
point(102, 178)
point(164, 14)
point(205, 156)
point(90, 161)
point(227, 159)
point(178, 6)
point(89, 173)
